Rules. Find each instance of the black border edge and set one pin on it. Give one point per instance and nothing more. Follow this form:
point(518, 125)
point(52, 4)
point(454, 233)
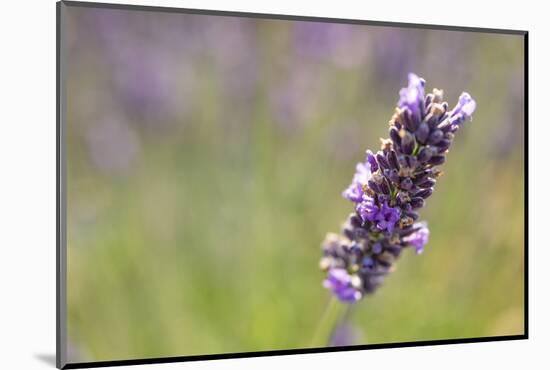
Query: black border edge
point(288, 17)
point(159, 360)
point(526, 184)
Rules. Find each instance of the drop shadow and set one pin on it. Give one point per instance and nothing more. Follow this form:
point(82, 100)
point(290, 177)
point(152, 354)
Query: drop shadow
point(47, 358)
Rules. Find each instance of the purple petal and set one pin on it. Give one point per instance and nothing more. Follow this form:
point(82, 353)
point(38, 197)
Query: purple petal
point(339, 282)
point(412, 96)
point(419, 238)
point(367, 209)
point(354, 192)
point(464, 109)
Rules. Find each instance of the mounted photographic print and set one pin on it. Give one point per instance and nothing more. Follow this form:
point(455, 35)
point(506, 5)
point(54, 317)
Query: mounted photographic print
point(234, 184)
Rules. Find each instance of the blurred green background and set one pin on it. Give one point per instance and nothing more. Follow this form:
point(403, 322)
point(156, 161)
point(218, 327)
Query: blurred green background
point(206, 157)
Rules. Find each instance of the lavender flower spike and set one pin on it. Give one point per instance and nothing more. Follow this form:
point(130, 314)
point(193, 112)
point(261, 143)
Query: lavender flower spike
point(389, 188)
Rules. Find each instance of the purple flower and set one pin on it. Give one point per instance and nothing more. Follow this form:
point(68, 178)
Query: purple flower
point(384, 217)
point(367, 209)
point(340, 283)
point(388, 190)
point(372, 161)
point(419, 238)
point(412, 96)
point(354, 192)
point(464, 109)
point(387, 217)
point(367, 262)
point(376, 249)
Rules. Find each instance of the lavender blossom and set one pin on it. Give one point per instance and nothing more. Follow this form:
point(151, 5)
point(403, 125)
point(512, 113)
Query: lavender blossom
point(419, 238)
point(389, 188)
point(340, 282)
point(354, 192)
point(412, 96)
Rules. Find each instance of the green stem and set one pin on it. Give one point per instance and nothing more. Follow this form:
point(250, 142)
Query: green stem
point(347, 314)
point(329, 320)
point(416, 149)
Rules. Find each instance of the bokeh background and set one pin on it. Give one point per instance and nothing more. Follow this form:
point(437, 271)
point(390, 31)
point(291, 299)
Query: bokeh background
point(206, 156)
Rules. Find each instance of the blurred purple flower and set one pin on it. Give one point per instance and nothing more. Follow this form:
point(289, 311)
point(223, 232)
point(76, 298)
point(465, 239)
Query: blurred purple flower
point(394, 52)
point(343, 45)
point(292, 100)
point(142, 78)
point(313, 39)
point(149, 67)
point(113, 146)
point(230, 41)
